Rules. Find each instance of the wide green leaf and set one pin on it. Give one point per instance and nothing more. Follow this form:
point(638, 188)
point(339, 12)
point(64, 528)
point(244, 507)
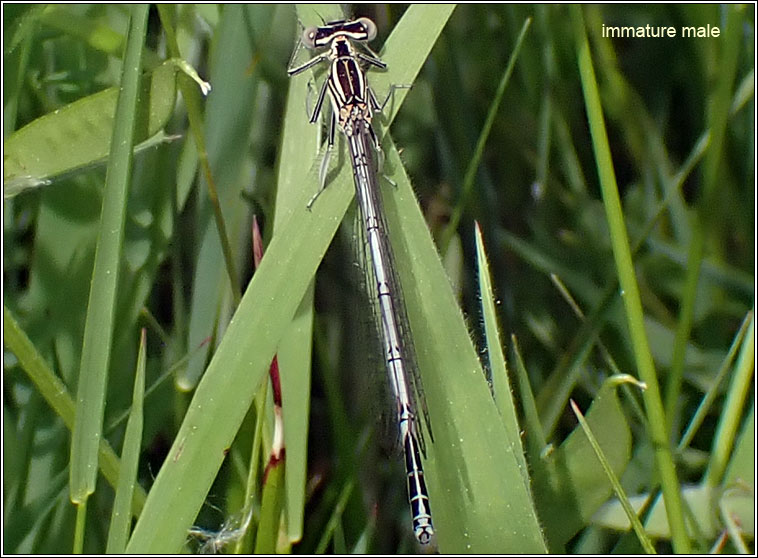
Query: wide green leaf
point(79, 134)
point(569, 482)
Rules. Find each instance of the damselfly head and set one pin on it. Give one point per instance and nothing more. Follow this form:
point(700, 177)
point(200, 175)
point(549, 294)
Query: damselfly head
point(361, 29)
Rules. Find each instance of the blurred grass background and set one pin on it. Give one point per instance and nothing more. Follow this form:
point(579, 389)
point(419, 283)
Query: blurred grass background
point(536, 196)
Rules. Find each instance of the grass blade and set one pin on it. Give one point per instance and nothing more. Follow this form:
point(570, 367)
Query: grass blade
point(295, 349)
point(636, 525)
point(501, 387)
point(631, 295)
point(468, 179)
point(96, 348)
point(473, 472)
point(121, 519)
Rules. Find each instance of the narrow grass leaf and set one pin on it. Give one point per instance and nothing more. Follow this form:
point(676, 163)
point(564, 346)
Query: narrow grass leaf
point(473, 167)
point(20, 28)
point(742, 461)
point(99, 326)
point(299, 139)
point(627, 279)
point(272, 502)
point(710, 396)
point(736, 397)
point(535, 436)
point(498, 369)
point(708, 206)
point(335, 520)
point(121, 518)
point(244, 545)
point(738, 497)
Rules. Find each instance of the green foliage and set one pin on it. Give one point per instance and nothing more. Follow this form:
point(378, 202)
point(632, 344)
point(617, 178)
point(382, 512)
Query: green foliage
point(495, 129)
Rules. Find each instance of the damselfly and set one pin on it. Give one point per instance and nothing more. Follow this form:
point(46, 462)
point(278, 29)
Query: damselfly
point(353, 107)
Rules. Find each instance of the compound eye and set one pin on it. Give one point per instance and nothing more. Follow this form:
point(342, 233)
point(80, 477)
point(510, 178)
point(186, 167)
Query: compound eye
point(369, 27)
point(309, 37)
